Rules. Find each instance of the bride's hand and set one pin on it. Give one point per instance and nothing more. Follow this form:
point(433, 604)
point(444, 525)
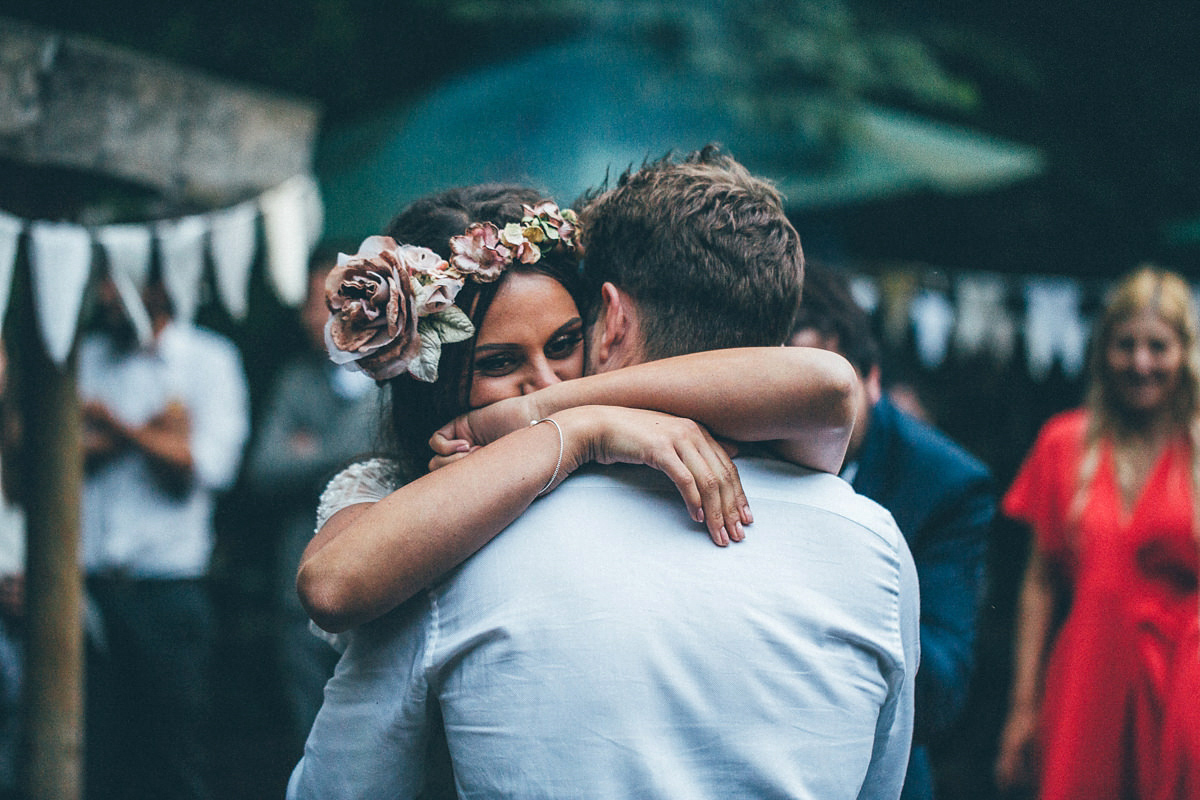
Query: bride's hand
point(698, 465)
point(484, 425)
point(447, 451)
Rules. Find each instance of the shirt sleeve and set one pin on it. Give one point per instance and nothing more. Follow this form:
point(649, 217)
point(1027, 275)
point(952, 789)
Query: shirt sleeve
point(372, 734)
point(219, 410)
point(1040, 495)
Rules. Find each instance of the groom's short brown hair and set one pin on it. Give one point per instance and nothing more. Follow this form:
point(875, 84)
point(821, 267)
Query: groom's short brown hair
point(704, 249)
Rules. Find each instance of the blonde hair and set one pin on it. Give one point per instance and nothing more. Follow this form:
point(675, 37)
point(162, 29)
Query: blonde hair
point(1147, 288)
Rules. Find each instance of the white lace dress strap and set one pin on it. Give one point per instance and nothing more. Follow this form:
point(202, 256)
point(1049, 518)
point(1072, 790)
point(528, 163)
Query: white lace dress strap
point(362, 482)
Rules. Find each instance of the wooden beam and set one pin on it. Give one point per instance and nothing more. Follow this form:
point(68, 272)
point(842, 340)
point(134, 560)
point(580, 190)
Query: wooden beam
point(71, 101)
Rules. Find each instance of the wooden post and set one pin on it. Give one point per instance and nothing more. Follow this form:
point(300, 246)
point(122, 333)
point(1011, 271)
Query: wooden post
point(51, 480)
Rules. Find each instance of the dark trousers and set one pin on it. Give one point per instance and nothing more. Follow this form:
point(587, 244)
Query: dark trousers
point(148, 690)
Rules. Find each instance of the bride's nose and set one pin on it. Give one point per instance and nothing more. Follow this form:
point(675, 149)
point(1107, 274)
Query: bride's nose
point(540, 376)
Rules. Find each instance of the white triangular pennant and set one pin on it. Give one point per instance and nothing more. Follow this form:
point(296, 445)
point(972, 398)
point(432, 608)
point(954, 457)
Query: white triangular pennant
point(314, 212)
point(984, 326)
point(232, 244)
point(292, 220)
point(181, 250)
point(60, 257)
point(1053, 326)
point(865, 291)
point(10, 236)
point(897, 287)
point(128, 249)
point(933, 318)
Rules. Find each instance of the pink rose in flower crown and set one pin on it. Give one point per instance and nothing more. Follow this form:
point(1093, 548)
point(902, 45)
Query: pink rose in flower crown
point(392, 309)
point(558, 226)
point(480, 253)
point(524, 241)
point(485, 250)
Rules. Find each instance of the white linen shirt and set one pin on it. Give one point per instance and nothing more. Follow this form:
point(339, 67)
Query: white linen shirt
point(602, 647)
point(130, 523)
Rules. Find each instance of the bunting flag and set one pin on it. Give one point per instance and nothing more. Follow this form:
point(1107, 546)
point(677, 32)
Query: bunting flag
point(1054, 328)
point(897, 288)
point(933, 319)
point(983, 325)
point(865, 293)
point(978, 313)
point(127, 249)
point(181, 250)
point(135, 309)
point(60, 255)
point(292, 221)
point(60, 259)
point(233, 242)
point(10, 236)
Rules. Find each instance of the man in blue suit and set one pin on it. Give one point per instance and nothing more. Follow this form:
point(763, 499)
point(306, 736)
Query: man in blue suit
point(941, 497)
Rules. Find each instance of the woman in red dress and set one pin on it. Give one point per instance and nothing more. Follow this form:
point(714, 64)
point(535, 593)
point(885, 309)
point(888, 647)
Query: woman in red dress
point(1110, 587)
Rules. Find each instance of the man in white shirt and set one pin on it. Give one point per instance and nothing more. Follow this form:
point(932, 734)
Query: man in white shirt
point(166, 417)
point(598, 647)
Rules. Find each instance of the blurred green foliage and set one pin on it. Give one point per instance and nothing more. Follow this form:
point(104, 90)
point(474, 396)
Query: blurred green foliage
point(1107, 91)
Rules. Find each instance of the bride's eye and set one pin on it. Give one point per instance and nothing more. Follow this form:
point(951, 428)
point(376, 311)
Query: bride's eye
point(563, 345)
point(496, 364)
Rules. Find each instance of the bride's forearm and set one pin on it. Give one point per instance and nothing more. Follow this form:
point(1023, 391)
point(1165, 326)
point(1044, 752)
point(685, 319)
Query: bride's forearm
point(370, 557)
point(367, 559)
point(804, 398)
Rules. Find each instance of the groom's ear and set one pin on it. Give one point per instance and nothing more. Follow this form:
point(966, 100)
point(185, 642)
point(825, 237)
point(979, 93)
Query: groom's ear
point(616, 342)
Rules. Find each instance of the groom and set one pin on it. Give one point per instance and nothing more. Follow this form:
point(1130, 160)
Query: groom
point(599, 647)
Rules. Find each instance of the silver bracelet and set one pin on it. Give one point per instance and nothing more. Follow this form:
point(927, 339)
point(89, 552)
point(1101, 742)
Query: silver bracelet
point(557, 466)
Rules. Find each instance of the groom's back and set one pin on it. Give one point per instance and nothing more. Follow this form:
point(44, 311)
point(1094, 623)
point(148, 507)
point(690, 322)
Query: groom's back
point(603, 647)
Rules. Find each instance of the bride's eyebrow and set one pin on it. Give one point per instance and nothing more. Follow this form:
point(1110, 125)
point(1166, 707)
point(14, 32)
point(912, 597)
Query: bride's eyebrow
point(571, 323)
point(498, 346)
point(491, 348)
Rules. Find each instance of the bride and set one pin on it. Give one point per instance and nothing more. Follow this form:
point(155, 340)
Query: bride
point(475, 324)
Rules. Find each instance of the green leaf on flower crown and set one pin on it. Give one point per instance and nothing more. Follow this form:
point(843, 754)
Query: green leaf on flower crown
point(445, 327)
point(453, 325)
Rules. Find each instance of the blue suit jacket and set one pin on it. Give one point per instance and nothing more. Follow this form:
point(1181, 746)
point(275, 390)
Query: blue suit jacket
point(943, 500)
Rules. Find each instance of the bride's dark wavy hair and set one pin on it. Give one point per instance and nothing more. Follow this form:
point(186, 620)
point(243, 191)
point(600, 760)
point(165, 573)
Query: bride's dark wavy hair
point(413, 409)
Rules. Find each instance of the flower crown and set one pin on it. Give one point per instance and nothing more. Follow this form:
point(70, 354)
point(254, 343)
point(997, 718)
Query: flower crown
point(392, 305)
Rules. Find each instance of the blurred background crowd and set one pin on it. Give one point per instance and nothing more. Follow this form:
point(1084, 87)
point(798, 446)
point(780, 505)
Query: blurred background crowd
point(979, 174)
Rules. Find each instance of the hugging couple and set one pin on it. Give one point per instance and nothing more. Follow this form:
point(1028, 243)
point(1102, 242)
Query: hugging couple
point(526, 609)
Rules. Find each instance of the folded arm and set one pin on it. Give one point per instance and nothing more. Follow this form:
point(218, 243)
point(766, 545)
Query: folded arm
point(165, 440)
point(370, 557)
point(800, 399)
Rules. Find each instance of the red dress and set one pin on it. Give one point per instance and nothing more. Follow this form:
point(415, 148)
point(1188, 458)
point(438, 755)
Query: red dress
point(1180, 764)
point(1133, 579)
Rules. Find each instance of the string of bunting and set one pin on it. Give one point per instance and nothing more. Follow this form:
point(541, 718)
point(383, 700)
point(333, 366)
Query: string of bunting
point(60, 258)
point(969, 314)
point(981, 314)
